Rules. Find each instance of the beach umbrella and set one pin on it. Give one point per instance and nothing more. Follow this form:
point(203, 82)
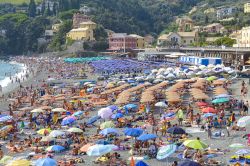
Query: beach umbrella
point(133, 132)
point(131, 106)
point(161, 104)
point(103, 142)
point(47, 139)
point(188, 163)
point(93, 119)
point(75, 130)
point(108, 124)
point(166, 151)
point(146, 137)
point(46, 162)
point(195, 144)
point(117, 115)
point(38, 110)
point(56, 133)
point(98, 150)
point(21, 162)
point(44, 131)
point(222, 96)
point(208, 115)
point(5, 159)
point(244, 121)
point(58, 110)
point(243, 151)
point(85, 148)
point(236, 145)
point(113, 107)
point(220, 100)
point(55, 148)
point(109, 131)
point(8, 127)
point(212, 78)
point(68, 120)
point(105, 113)
point(176, 130)
point(78, 113)
point(209, 110)
point(6, 118)
point(141, 163)
point(202, 104)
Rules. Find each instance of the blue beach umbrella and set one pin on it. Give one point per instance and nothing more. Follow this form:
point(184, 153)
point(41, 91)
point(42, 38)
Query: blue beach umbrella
point(222, 96)
point(130, 106)
point(166, 151)
point(46, 162)
point(188, 163)
point(117, 115)
point(68, 120)
point(176, 130)
point(102, 142)
point(78, 113)
point(55, 148)
point(98, 150)
point(133, 132)
point(113, 107)
point(208, 115)
point(6, 118)
point(109, 131)
point(146, 137)
point(93, 119)
point(141, 163)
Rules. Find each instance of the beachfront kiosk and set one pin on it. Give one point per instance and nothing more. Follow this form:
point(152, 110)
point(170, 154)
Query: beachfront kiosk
point(193, 60)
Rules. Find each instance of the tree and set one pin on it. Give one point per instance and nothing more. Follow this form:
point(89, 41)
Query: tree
point(206, 19)
point(43, 8)
point(47, 11)
point(226, 41)
point(100, 34)
point(32, 8)
point(54, 9)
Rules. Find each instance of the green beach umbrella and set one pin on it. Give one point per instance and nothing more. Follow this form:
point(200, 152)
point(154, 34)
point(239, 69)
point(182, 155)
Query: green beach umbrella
point(195, 144)
point(211, 78)
point(220, 100)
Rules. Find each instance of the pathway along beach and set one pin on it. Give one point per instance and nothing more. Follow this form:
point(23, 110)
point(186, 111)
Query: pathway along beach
point(64, 115)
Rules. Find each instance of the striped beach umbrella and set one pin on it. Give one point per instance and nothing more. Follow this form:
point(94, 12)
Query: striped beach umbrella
point(244, 121)
point(6, 118)
point(166, 151)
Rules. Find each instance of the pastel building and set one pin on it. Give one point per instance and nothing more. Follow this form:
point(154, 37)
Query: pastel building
point(122, 41)
point(140, 41)
point(247, 7)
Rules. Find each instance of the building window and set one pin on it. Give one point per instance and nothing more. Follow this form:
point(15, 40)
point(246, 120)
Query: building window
point(184, 41)
point(191, 41)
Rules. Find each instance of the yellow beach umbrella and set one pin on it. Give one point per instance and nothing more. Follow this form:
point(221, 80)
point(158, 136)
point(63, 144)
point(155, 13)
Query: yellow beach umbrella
point(195, 144)
point(44, 131)
point(21, 162)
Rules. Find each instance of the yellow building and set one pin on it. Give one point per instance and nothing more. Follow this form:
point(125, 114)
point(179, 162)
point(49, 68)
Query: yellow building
point(85, 32)
point(243, 39)
point(55, 27)
point(188, 38)
point(139, 40)
point(247, 7)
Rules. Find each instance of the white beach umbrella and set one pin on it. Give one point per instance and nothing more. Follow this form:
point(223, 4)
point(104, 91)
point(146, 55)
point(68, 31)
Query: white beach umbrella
point(161, 104)
point(58, 110)
point(160, 77)
point(202, 67)
point(105, 113)
point(56, 133)
point(154, 71)
point(244, 121)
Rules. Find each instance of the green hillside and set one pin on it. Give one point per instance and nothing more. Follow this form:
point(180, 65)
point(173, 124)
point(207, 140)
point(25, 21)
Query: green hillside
point(17, 2)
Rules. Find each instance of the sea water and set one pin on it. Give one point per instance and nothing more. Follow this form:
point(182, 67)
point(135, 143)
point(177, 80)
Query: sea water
point(10, 70)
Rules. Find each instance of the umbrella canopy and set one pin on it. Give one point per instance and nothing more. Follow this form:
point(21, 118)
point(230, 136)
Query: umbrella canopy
point(5, 159)
point(161, 104)
point(202, 104)
point(103, 142)
point(38, 110)
point(243, 151)
point(6, 118)
point(58, 110)
point(195, 144)
point(22, 162)
point(146, 137)
point(44, 131)
point(68, 120)
point(108, 124)
point(141, 163)
point(86, 147)
point(222, 96)
point(75, 130)
point(105, 113)
point(78, 113)
point(55, 148)
point(208, 115)
point(209, 110)
point(47, 139)
point(220, 100)
point(244, 121)
point(113, 107)
point(176, 130)
point(93, 119)
point(131, 106)
point(188, 163)
point(133, 132)
point(56, 133)
point(236, 145)
point(46, 162)
point(117, 115)
point(98, 150)
point(166, 151)
point(109, 131)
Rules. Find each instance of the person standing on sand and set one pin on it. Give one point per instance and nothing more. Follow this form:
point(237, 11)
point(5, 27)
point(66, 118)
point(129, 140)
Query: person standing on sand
point(180, 116)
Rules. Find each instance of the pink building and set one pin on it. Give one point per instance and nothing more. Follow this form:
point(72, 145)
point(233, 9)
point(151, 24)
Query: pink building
point(122, 41)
